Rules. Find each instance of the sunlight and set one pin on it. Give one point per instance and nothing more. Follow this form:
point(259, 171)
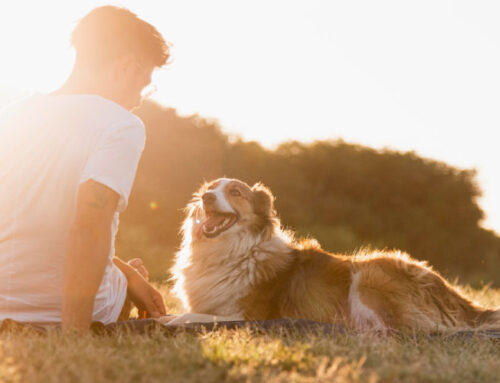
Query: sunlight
point(309, 71)
point(367, 249)
point(153, 205)
point(39, 57)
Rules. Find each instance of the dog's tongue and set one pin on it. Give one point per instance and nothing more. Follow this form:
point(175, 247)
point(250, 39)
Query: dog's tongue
point(209, 224)
point(213, 221)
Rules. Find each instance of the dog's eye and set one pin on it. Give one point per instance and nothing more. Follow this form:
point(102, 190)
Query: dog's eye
point(235, 192)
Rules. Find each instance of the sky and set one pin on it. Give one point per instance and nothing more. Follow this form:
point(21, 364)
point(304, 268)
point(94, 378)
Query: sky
point(406, 75)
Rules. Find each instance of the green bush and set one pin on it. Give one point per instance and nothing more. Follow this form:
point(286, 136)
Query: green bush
point(346, 196)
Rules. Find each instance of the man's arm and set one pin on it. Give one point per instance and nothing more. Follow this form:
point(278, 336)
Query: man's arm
point(88, 251)
point(147, 299)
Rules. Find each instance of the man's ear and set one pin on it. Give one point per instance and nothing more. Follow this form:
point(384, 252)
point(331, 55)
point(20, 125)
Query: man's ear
point(263, 200)
point(124, 66)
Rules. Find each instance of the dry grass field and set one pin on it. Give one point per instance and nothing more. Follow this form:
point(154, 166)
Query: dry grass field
point(240, 356)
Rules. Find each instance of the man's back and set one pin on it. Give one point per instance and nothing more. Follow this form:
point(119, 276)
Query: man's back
point(49, 145)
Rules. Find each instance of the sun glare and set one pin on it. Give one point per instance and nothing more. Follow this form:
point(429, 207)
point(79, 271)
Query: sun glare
point(153, 205)
point(39, 56)
point(276, 71)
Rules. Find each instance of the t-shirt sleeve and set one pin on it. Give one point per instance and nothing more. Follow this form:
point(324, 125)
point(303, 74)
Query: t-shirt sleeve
point(114, 160)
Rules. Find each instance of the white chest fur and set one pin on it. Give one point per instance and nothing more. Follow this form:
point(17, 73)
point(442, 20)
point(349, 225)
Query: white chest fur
point(216, 275)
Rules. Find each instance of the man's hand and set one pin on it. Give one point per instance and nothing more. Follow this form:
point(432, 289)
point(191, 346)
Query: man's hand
point(145, 297)
point(137, 264)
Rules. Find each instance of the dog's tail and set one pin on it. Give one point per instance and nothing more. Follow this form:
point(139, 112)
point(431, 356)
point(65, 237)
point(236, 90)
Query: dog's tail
point(489, 318)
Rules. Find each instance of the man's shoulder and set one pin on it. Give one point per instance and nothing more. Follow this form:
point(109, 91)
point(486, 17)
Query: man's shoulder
point(121, 124)
point(108, 111)
point(116, 115)
point(16, 106)
point(108, 117)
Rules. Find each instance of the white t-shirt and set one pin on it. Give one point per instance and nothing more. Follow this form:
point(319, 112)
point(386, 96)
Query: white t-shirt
point(49, 145)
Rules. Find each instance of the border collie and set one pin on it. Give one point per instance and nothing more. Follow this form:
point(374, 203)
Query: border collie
point(237, 262)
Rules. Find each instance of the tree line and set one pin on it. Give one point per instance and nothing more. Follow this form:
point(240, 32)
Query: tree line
point(346, 196)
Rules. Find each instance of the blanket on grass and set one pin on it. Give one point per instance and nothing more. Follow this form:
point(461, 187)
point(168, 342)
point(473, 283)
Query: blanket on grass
point(285, 325)
point(147, 326)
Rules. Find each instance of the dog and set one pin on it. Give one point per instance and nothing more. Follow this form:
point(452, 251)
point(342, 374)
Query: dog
point(237, 262)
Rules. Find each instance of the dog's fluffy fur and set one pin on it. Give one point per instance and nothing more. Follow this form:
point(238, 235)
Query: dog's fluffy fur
point(236, 261)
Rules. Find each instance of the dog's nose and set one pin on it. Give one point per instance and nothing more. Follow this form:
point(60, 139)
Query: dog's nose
point(208, 198)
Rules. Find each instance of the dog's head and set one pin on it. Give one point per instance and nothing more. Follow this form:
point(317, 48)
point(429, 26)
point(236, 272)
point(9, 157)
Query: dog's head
point(227, 206)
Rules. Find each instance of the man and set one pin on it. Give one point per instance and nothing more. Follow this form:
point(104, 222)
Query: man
point(67, 165)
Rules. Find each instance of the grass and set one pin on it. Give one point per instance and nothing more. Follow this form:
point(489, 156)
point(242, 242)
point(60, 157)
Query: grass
point(240, 356)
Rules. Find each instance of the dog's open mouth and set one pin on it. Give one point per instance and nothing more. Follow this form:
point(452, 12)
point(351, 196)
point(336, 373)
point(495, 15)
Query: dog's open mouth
point(216, 223)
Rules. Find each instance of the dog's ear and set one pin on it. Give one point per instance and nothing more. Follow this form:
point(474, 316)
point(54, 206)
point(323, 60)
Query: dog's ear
point(263, 200)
